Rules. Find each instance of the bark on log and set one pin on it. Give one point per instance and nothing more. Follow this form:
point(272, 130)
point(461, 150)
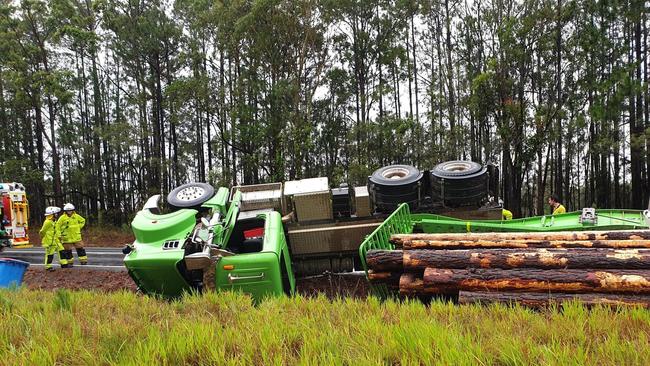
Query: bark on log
point(538, 280)
point(539, 236)
point(539, 300)
point(521, 244)
point(389, 278)
point(384, 260)
point(416, 260)
point(411, 284)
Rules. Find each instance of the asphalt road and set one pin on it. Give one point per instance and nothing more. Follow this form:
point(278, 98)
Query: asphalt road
point(105, 259)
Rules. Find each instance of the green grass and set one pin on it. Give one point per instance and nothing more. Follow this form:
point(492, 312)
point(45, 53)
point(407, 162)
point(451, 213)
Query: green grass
point(85, 328)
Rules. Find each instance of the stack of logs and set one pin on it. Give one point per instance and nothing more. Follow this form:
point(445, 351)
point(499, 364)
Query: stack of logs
point(530, 268)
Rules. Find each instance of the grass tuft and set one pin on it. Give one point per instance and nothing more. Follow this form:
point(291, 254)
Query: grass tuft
point(62, 300)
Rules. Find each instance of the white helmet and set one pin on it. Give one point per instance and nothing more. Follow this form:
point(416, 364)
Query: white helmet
point(52, 210)
point(68, 207)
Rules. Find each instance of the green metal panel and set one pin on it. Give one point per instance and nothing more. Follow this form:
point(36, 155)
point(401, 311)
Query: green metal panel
point(219, 201)
point(399, 222)
point(231, 217)
point(154, 269)
point(150, 228)
point(607, 220)
point(258, 274)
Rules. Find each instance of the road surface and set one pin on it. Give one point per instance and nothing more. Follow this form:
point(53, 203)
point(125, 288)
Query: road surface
point(104, 259)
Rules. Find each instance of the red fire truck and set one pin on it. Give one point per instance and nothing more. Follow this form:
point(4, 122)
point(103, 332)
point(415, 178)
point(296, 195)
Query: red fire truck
point(14, 213)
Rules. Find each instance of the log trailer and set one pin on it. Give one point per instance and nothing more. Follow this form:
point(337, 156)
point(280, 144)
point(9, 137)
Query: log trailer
point(595, 256)
point(14, 216)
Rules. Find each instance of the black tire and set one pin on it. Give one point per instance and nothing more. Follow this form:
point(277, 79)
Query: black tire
point(396, 175)
point(459, 183)
point(395, 184)
point(456, 169)
point(190, 195)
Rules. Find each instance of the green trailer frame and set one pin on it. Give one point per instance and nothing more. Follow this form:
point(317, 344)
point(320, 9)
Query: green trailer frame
point(401, 221)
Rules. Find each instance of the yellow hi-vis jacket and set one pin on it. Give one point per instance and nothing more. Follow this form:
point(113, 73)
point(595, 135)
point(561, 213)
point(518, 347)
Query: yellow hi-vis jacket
point(559, 210)
point(69, 227)
point(48, 233)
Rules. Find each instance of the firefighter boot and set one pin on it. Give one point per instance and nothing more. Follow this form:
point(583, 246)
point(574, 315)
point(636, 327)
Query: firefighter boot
point(69, 257)
point(63, 259)
point(81, 253)
point(48, 262)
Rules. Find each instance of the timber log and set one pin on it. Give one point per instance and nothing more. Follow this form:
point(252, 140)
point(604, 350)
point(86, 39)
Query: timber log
point(414, 260)
point(538, 280)
point(540, 300)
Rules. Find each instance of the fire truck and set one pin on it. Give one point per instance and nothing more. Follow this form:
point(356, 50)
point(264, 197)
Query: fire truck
point(14, 212)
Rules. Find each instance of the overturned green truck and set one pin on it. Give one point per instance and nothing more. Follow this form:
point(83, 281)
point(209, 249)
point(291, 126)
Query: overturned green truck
point(254, 238)
point(257, 238)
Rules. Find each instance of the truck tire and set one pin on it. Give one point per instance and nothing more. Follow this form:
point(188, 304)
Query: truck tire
point(395, 184)
point(190, 195)
point(459, 182)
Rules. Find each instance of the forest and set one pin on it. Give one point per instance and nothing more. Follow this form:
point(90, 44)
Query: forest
point(105, 102)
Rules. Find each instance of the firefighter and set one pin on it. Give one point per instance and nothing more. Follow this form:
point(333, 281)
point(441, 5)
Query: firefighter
point(506, 214)
point(556, 206)
point(69, 226)
point(50, 239)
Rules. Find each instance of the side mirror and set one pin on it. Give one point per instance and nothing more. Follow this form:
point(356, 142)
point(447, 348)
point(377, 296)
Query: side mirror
point(128, 248)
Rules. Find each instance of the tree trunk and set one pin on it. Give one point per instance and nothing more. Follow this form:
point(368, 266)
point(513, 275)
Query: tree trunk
point(415, 72)
point(450, 84)
point(640, 130)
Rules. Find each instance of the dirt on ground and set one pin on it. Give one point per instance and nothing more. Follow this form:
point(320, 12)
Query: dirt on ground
point(332, 286)
point(76, 279)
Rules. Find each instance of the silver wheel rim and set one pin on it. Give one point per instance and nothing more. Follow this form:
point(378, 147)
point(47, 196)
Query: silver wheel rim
point(190, 193)
point(395, 173)
point(457, 166)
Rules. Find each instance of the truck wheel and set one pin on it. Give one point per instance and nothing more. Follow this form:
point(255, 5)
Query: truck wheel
point(459, 182)
point(190, 195)
point(456, 168)
point(395, 184)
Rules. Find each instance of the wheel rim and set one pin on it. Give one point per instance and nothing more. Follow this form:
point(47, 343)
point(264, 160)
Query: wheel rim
point(457, 166)
point(190, 193)
point(395, 173)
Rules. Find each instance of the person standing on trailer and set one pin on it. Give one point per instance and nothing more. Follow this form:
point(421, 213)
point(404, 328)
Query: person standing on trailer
point(70, 225)
point(556, 206)
point(50, 239)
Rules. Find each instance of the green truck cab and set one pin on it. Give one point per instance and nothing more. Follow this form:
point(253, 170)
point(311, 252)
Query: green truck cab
point(206, 244)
